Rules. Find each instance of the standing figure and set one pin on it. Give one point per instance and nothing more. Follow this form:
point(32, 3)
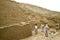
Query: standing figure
point(42, 27)
point(36, 29)
point(57, 26)
point(46, 30)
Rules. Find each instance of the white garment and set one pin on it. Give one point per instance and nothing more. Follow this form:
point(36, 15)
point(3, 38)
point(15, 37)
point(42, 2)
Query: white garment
point(42, 25)
point(36, 27)
point(46, 27)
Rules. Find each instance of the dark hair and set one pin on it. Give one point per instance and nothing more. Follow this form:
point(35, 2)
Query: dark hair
point(35, 24)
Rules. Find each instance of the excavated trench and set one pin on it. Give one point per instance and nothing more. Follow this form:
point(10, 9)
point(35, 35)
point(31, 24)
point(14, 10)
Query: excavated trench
point(15, 32)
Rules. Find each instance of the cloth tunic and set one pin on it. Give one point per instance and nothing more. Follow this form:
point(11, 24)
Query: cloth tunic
point(42, 27)
point(46, 30)
point(36, 30)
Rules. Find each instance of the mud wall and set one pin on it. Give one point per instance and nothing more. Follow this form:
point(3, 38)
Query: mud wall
point(15, 32)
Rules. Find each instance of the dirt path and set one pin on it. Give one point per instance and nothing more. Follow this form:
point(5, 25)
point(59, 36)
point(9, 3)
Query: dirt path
point(41, 36)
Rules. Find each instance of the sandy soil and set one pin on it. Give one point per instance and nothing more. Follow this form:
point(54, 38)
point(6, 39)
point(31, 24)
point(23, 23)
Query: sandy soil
point(41, 35)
